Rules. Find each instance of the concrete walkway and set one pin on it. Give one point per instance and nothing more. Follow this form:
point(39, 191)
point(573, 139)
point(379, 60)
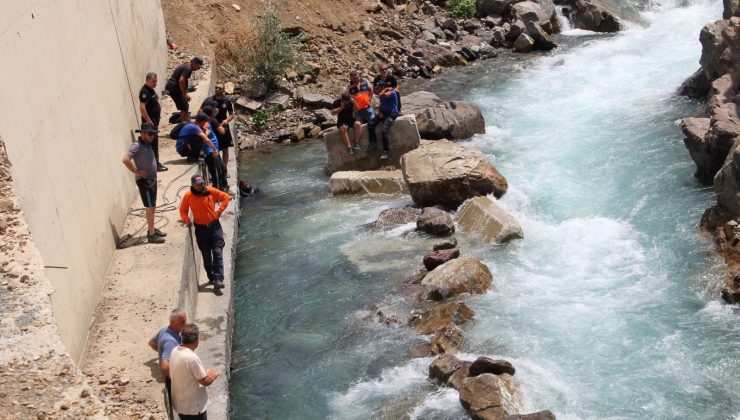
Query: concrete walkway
point(145, 282)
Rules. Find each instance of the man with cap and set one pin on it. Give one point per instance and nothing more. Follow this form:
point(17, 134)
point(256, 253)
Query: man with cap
point(224, 109)
point(141, 162)
point(201, 201)
point(177, 84)
point(151, 111)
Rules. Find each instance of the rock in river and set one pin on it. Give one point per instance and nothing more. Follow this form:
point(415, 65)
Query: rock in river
point(462, 275)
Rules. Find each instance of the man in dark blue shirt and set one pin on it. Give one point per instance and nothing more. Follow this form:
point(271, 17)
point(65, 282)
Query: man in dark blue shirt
point(388, 115)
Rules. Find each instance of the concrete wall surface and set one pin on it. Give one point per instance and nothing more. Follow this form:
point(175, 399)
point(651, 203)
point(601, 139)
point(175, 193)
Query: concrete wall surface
point(71, 74)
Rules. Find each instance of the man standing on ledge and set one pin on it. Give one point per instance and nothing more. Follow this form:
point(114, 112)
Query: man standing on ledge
point(151, 111)
point(177, 84)
point(209, 235)
point(165, 341)
point(141, 161)
point(189, 377)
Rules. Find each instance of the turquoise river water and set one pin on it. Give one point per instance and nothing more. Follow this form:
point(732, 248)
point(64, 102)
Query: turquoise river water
point(609, 308)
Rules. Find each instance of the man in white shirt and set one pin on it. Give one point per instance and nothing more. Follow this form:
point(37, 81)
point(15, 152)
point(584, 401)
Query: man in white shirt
point(189, 378)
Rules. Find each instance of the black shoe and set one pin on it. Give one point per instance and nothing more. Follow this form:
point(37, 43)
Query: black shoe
point(154, 239)
point(160, 167)
point(218, 284)
point(159, 233)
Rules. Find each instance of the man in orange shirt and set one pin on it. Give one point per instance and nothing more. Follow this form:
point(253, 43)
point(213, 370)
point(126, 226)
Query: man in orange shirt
point(201, 201)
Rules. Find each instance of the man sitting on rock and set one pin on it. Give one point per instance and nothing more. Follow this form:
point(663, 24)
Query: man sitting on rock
point(388, 115)
point(343, 109)
point(362, 98)
point(386, 79)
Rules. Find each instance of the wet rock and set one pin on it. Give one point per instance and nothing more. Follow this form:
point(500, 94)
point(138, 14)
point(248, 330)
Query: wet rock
point(727, 181)
point(524, 43)
point(541, 14)
point(731, 290)
point(444, 173)
point(540, 415)
point(367, 182)
point(447, 340)
point(436, 258)
point(440, 316)
point(390, 218)
point(484, 364)
point(404, 138)
point(720, 54)
point(695, 130)
point(481, 396)
point(455, 380)
point(437, 119)
point(591, 15)
point(443, 367)
point(435, 222)
point(452, 243)
point(461, 275)
point(483, 216)
point(542, 40)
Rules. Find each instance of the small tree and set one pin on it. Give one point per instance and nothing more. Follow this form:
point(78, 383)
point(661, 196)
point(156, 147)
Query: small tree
point(269, 51)
point(461, 9)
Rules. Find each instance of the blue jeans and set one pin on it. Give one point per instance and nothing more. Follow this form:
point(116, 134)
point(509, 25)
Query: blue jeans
point(387, 121)
point(367, 115)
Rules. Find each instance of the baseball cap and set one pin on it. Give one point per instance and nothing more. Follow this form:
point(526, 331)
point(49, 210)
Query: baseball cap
point(147, 128)
point(197, 179)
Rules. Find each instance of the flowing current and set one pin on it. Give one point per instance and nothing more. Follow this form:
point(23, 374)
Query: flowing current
point(608, 308)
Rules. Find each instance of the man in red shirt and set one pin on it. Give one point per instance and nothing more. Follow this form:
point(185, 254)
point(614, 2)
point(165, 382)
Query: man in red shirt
point(201, 201)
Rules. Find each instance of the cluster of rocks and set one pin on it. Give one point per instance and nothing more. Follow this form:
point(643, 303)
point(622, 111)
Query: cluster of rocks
point(713, 138)
point(416, 40)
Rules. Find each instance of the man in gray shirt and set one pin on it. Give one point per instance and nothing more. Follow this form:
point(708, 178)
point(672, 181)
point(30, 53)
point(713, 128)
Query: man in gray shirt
point(141, 161)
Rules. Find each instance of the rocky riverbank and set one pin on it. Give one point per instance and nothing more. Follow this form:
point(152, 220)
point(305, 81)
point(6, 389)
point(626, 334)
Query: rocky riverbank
point(713, 137)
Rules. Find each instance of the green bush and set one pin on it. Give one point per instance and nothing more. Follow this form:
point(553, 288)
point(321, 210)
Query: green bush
point(269, 52)
point(260, 117)
point(461, 9)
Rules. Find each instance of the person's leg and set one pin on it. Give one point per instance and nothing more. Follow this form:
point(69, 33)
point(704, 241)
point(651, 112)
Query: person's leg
point(386, 130)
point(150, 220)
point(223, 183)
point(203, 238)
point(211, 163)
point(344, 135)
point(357, 128)
point(225, 143)
point(371, 122)
point(217, 248)
point(225, 155)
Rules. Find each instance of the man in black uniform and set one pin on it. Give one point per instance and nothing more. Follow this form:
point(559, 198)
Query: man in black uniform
point(151, 112)
point(386, 79)
point(225, 113)
point(177, 84)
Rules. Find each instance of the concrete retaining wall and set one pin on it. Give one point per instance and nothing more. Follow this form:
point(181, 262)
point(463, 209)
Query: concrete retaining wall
point(71, 79)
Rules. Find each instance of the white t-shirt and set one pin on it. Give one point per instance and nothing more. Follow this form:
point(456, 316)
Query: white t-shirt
point(188, 396)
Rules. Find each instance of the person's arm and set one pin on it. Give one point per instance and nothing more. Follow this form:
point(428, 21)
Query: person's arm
point(144, 114)
point(230, 111)
point(165, 365)
point(209, 143)
point(128, 161)
point(224, 199)
point(184, 207)
point(183, 83)
point(337, 110)
point(152, 344)
point(211, 376)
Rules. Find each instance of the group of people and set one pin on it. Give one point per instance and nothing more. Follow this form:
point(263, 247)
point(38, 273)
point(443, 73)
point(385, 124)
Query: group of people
point(355, 107)
point(207, 136)
point(184, 374)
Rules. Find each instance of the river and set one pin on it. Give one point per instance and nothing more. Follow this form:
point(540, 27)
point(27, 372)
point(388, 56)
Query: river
point(608, 308)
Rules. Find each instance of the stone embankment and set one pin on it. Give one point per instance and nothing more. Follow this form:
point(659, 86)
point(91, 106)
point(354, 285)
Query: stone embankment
point(713, 138)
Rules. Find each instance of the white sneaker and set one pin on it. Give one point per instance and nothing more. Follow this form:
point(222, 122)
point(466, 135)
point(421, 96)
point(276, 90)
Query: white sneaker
point(384, 156)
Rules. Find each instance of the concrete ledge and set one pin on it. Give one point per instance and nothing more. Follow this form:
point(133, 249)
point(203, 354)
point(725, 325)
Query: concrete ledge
point(368, 182)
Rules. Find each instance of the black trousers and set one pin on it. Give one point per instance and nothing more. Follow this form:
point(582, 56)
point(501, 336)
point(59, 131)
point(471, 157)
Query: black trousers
point(217, 169)
point(211, 243)
point(201, 416)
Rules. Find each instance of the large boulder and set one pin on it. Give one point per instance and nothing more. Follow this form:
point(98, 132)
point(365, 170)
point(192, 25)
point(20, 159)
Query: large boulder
point(443, 367)
point(437, 119)
point(435, 222)
point(720, 52)
point(524, 43)
point(484, 364)
point(390, 218)
point(440, 316)
point(372, 182)
point(481, 396)
point(696, 86)
point(404, 137)
point(482, 216)
point(695, 130)
point(492, 7)
point(540, 415)
point(727, 181)
point(542, 14)
point(591, 15)
point(461, 275)
point(444, 173)
point(436, 258)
